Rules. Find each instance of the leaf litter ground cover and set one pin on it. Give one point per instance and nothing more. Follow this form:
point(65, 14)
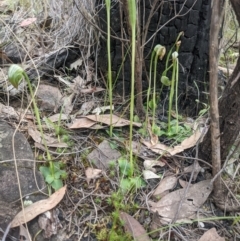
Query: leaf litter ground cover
point(166, 198)
point(164, 195)
point(103, 201)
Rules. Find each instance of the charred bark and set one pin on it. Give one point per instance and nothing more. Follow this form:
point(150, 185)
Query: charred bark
point(229, 110)
point(167, 20)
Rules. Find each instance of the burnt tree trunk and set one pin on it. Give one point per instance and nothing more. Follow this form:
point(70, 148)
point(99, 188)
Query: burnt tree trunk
point(167, 20)
point(229, 110)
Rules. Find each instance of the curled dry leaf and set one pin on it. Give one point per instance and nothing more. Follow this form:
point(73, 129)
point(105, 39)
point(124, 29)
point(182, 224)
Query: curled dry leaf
point(166, 184)
point(210, 235)
point(149, 164)
point(102, 109)
point(133, 227)
point(92, 173)
point(190, 201)
point(147, 174)
point(32, 211)
point(51, 142)
point(166, 150)
point(76, 64)
point(49, 222)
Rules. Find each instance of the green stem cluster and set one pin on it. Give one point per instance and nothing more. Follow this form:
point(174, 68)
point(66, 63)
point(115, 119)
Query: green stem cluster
point(174, 80)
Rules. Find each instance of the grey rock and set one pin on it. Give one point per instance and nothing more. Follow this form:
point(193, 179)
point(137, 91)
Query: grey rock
point(30, 179)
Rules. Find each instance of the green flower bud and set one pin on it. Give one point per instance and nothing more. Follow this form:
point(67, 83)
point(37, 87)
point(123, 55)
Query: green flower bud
point(15, 75)
point(174, 55)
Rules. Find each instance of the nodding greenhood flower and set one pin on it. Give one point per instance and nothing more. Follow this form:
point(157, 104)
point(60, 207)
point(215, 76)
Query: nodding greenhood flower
point(160, 51)
point(174, 55)
point(15, 75)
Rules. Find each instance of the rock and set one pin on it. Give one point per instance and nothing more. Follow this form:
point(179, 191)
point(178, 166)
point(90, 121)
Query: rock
point(49, 97)
point(9, 191)
point(103, 155)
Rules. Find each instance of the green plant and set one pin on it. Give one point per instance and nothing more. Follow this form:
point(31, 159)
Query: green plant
point(133, 21)
point(174, 79)
point(53, 174)
point(158, 53)
point(110, 85)
point(128, 182)
point(176, 132)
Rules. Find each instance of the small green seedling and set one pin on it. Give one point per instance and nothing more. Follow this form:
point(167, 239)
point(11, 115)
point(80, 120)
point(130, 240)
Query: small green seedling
point(128, 182)
point(54, 179)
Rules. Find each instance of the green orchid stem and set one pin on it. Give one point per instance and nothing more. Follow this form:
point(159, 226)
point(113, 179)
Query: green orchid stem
point(176, 94)
point(36, 111)
point(110, 86)
point(171, 50)
point(133, 21)
point(149, 85)
point(171, 95)
point(154, 90)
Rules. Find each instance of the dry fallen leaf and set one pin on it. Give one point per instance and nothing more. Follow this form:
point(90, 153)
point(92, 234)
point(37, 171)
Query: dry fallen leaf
point(194, 167)
point(24, 234)
point(149, 164)
point(67, 105)
point(86, 108)
point(196, 195)
point(166, 150)
point(166, 184)
point(82, 123)
point(33, 210)
point(27, 22)
point(91, 90)
point(92, 173)
point(76, 64)
point(51, 142)
point(211, 235)
point(102, 109)
point(147, 174)
point(184, 184)
point(133, 227)
point(49, 222)
point(56, 117)
point(116, 120)
point(89, 121)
